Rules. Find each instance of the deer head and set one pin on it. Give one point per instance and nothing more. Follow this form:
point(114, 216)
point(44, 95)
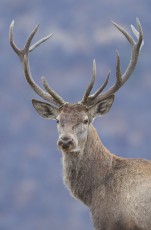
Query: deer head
point(73, 120)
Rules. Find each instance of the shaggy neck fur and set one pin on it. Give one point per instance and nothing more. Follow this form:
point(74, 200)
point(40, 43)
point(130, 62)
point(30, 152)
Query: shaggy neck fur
point(80, 169)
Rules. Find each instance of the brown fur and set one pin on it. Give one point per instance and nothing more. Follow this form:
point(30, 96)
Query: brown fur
point(117, 190)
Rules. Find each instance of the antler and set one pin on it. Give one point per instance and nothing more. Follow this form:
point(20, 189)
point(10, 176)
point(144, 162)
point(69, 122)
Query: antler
point(120, 78)
point(49, 95)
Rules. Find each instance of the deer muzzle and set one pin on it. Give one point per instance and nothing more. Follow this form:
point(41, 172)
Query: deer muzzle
point(67, 143)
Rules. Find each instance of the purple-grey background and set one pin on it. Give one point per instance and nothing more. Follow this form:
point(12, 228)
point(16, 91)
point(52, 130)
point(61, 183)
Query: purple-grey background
point(32, 194)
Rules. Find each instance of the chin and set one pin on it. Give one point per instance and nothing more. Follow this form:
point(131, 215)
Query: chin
point(70, 151)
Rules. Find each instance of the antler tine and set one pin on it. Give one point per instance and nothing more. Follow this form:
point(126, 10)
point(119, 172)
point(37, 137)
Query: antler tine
point(23, 55)
point(29, 40)
point(93, 96)
point(124, 32)
point(90, 86)
point(12, 43)
point(52, 92)
point(122, 78)
point(40, 42)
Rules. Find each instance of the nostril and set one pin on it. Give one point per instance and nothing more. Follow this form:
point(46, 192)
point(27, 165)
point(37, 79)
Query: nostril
point(66, 139)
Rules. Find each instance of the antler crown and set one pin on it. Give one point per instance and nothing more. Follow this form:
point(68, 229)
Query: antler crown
point(88, 100)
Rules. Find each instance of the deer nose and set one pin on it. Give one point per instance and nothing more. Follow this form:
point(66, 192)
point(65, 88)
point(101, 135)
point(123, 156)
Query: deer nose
point(65, 142)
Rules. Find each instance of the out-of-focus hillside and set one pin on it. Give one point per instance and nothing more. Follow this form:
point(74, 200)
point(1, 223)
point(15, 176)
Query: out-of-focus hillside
point(32, 194)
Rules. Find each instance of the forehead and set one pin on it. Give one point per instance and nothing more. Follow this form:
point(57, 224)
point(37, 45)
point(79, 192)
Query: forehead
point(73, 112)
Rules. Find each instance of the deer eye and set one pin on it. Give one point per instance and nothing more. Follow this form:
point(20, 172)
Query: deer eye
point(86, 121)
point(57, 121)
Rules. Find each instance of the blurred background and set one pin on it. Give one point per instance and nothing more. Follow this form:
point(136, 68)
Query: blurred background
point(32, 194)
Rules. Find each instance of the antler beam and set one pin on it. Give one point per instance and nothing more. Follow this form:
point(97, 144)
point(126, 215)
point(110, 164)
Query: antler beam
point(49, 95)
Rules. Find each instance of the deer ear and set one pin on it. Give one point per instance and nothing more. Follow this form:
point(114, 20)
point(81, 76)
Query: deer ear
point(101, 107)
point(45, 110)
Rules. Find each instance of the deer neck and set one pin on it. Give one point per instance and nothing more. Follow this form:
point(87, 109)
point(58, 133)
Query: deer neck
point(84, 172)
point(94, 147)
point(98, 155)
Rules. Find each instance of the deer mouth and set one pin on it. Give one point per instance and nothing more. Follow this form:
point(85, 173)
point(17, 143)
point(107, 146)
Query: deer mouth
point(68, 149)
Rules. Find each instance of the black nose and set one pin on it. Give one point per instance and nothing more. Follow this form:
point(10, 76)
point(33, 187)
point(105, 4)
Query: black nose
point(65, 142)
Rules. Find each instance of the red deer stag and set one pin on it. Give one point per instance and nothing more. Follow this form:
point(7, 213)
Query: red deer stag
point(116, 190)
